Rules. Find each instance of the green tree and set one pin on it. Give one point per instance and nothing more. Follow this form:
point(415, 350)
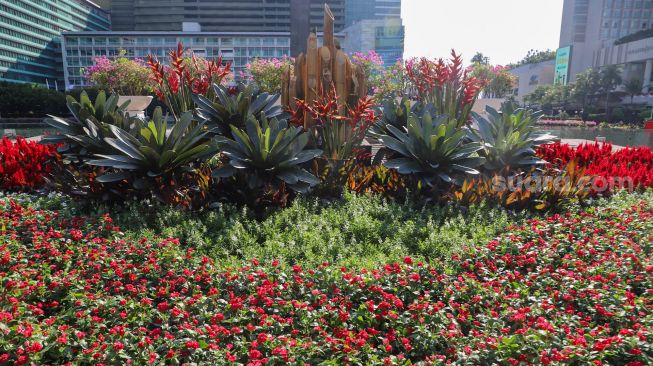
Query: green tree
point(549, 97)
point(633, 87)
point(535, 56)
point(498, 82)
point(609, 79)
point(480, 58)
point(584, 89)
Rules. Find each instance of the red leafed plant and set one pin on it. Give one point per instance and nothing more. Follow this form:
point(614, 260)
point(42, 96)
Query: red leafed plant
point(338, 134)
point(635, 163)
point(184, 76)
point(23, 163)
point(446, 85)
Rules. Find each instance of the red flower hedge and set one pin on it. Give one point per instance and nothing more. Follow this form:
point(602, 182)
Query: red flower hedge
point(23, 163)
point(572, 289)
point(600, 160)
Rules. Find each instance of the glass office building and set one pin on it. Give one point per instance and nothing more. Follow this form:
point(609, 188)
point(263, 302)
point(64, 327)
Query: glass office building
point(591, 27)
point(218, 15)
point(30, 37)
point(357, 10)
point(375, 25)
point(80, 48)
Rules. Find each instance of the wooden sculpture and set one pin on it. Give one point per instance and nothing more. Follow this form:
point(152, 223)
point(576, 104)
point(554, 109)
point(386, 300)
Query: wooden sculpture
point(319, 69)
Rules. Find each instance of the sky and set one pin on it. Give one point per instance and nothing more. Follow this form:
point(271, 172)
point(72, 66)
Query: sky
point(503, 30)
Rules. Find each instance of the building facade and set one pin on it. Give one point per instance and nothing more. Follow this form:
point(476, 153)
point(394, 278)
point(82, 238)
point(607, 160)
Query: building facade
point(384, 36)
point(218, 15)
point(530, 76)
point(30, 37)
point(80, 48)
point(590, 28)
point(357, 10)
point(375, 25)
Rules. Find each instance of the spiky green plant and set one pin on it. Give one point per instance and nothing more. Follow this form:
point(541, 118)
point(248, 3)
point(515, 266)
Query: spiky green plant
point(266, 152)
point(84, 135)
point(509, 138)
point(434, 149)
point(153, 152)
point(228, 109)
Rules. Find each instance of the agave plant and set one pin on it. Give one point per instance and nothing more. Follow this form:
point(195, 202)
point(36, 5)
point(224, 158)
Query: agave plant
point(268, 151)
point(153, 152)
point(394, 114)
point(435, 149)
point(235, 109)
point(85, 134)
point(509, 138)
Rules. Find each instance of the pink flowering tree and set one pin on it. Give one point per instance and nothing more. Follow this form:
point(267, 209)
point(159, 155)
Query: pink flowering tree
point(393, 83)
point(372, 64)
point(267, 73)
point(120, 75)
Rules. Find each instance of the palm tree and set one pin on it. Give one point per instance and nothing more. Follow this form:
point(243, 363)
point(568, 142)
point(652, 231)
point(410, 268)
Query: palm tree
point(585, 87)
point(610, 78)
point(479, 58)
point(633, 87)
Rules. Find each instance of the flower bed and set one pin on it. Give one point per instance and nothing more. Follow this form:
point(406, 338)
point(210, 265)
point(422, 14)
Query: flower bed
point(23, 163)
point(573, 288)
point(598, 159)
point(566, 123)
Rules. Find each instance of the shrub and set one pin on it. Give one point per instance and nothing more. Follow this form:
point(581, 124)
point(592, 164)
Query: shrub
point(267, 73)
point(24, 163)
point(27, 100)
point(372, 64)
point(120, 75)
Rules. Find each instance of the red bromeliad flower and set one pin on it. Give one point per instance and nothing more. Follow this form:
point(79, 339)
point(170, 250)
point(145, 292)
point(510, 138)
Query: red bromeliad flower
point(445, 85)
point(24, 163)
point(338, 135)
point(175, 84)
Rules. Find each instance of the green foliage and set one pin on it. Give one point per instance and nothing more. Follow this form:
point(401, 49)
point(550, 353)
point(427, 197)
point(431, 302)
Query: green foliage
point(149, 151)
point(394, 114)
point(550, 98)
point(509, 138)
point(534, 56)
point(434, 149)
point(28, 100)
point(633, 87)
point(228, 109)
point(498, 81)
point(268, 151)
point(358, 231)
point(92, 122)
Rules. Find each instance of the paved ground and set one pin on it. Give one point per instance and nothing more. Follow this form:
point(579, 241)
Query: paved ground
point(576, 142)
point(571, 142)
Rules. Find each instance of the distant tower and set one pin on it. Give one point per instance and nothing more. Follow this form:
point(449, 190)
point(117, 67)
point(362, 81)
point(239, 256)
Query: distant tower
point(299, 25)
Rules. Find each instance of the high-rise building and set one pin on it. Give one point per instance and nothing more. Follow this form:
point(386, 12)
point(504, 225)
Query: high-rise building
point(375, 25)
point(30, 37)
point(357, 10)
point(80, 48)
point(596, 33)
point(218, 15)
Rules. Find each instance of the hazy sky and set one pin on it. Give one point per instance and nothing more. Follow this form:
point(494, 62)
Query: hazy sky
point(503, 30)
